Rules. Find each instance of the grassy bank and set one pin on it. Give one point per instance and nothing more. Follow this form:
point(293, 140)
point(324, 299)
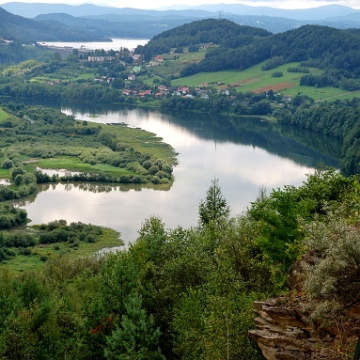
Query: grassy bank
point(41, 253)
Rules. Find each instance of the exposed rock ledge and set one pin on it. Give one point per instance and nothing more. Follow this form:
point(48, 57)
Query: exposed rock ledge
point(285, 332)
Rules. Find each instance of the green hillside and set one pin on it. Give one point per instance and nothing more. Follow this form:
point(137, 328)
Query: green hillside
point(13, 27)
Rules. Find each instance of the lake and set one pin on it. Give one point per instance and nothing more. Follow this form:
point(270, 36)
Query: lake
point(244, 154)
point(115, 45)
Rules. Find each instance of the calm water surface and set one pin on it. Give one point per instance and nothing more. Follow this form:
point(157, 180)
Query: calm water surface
point(115, 45)
point(244, 154)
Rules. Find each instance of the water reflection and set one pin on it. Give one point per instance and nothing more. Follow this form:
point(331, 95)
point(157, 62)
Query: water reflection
point(245, 154)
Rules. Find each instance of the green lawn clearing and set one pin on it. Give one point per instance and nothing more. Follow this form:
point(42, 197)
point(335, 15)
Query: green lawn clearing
point(256, 80)
point(43, 252)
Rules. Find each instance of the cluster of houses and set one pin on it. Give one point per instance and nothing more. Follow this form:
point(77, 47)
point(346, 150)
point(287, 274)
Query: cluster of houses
point(163, 90)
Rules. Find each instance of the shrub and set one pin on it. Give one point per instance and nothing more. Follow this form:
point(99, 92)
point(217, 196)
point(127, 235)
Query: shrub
point(7, 164)
point(90, 238)
point(155, 180)
point(25, 252)
point(47, 238)
point(277, 74)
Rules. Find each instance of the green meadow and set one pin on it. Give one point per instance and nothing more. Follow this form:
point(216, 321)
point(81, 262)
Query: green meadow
point(171, 66)
point(42, 252)
point(45, 79)
point(255, 79)
point(3, 115)
point(75, 164)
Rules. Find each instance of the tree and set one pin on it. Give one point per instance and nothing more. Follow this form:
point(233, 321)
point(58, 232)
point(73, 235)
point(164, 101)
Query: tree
point(135, 338)
point(7, 164)
point(214, 208)
point(118, 83)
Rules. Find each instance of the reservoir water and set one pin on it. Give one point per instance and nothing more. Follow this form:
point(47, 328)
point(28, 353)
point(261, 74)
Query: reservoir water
point(115, 44)
point(244, 154)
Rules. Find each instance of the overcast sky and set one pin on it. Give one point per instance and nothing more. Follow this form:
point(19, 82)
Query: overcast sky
point(154, 4)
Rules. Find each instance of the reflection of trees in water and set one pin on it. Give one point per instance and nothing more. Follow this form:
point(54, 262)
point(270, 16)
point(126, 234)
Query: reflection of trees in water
point(100, 187)
point(92, 187)
point(302, 146)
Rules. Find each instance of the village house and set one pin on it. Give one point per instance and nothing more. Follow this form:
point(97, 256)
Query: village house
point(136, 58)
point(161, 93)
point(100, 58)
point(287, 98)
point(159, 59)
point(183, 89)
point(131, 77)
point(162, 87)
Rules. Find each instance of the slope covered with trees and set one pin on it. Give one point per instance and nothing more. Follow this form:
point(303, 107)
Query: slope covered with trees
point(14, 27)
point(220, 32)
point(320, 46)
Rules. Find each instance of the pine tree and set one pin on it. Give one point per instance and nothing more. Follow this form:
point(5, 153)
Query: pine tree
point(215, 207)
point(135, 338)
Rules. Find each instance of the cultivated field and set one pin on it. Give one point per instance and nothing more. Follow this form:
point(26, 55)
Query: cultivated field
point(256, 80)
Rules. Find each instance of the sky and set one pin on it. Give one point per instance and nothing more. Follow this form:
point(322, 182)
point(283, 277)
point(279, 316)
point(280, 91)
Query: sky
point(155, 4)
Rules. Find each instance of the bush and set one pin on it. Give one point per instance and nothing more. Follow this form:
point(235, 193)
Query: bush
point(18, 179)
point(47, 238)
point(7, 164)
point(155, 180)
point(25, 252)
point(277, 74)
point(90, 238)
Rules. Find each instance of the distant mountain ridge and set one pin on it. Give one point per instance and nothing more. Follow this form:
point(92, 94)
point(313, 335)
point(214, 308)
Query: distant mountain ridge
point(31, 10)
point(14, 27)
point(112, 22)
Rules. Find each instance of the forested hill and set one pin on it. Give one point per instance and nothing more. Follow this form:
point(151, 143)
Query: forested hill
point(14, 27)
point(220, 32)
point(321, 46)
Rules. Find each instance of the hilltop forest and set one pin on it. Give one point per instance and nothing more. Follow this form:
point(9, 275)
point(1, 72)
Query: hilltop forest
point(28, 31)
point(333, 50)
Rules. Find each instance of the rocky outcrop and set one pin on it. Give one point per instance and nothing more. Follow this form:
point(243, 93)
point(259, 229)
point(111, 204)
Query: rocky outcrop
point(285, 331)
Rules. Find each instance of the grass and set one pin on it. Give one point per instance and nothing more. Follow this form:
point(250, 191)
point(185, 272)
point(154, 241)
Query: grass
point(254, 79)
point(250, 79)
point(141, 140)
point(45, 79)
point(173, 67)
point(20, 263)
point(74, 164)
point(138, 139)
point(3, 115)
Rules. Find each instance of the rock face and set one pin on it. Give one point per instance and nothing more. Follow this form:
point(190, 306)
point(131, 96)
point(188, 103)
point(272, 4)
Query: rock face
point(281, 333)
point(285, 331)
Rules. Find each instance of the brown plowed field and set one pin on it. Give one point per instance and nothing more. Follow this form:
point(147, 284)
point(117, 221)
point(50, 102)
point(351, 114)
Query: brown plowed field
point(275, 87)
